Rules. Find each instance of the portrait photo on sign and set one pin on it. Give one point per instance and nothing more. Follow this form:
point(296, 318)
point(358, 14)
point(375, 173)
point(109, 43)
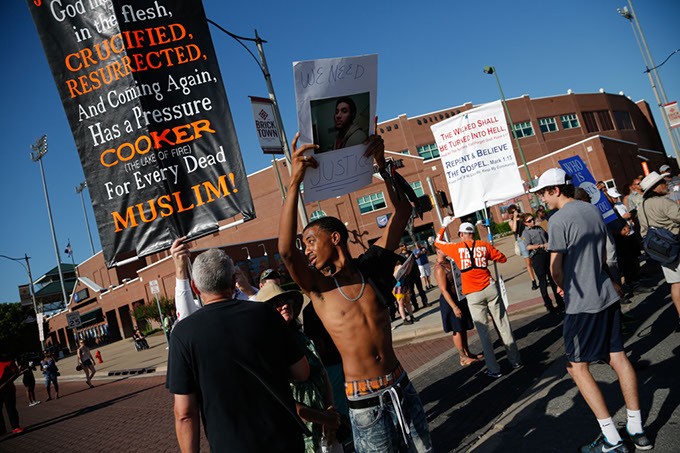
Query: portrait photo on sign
point(340, 122)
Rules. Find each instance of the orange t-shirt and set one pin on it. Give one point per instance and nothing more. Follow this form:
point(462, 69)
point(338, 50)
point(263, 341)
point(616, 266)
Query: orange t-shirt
point(479, 277)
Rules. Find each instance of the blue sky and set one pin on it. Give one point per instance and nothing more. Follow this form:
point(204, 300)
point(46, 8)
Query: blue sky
point(430, 57)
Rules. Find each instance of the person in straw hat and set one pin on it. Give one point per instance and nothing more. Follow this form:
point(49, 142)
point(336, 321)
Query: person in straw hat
point(313, 397)
point(657, 210)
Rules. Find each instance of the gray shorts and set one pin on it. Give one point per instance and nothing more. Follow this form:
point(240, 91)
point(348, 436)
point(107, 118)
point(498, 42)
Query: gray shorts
point(672, 272)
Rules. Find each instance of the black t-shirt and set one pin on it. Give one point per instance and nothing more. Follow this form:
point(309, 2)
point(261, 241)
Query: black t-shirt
point(377, 265)
point(211, 352)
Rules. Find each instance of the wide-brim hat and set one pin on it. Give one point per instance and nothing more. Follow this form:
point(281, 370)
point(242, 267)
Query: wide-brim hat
point(651, 180)
point(271, 292)
point(551, 177)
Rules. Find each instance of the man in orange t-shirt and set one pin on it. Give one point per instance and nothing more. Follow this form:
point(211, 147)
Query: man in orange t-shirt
point(473, 258)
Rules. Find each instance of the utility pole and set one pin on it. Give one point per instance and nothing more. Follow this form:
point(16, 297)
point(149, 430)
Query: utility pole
point(651, 71)
point(79, 190)
point(40, 148)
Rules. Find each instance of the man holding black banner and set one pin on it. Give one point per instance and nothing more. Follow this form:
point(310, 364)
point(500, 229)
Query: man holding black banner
point(229, 364)
point(351, 297)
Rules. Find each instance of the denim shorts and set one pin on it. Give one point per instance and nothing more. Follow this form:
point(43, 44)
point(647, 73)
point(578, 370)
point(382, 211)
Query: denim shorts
point(377, 428)
point(50, 378)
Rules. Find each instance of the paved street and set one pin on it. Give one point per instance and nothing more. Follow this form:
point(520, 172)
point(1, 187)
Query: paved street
point(536, 408)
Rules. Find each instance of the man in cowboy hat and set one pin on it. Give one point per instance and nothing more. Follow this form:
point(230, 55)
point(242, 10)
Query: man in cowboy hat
point(657, 210)
point(230, 363)
point(592, 323)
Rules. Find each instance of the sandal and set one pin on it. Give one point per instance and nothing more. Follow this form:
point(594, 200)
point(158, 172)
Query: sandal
point(468, 361)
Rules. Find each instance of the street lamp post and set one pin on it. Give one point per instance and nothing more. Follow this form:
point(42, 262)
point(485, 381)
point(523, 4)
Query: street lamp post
point(262, 63)
point(79, 190)
point(27, 267)
point(40, 148)
point(492, 70)
point(650, 69)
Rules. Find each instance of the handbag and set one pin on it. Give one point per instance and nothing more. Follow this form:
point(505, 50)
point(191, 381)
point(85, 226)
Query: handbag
point(660, 244)
point(79, 367)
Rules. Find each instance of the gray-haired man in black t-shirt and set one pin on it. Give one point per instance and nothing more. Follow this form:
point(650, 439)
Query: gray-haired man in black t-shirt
point(230, 362)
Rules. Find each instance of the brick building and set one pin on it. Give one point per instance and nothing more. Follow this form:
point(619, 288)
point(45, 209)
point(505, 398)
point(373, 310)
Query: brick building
point(608, 131)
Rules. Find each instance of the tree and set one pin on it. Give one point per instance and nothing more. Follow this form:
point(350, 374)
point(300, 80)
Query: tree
point(149, 310)
point(16, 336)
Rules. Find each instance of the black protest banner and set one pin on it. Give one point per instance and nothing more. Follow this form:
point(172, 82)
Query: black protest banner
point(141, 88)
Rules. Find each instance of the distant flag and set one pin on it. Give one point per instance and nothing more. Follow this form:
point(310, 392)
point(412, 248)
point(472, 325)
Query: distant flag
point(69, 250)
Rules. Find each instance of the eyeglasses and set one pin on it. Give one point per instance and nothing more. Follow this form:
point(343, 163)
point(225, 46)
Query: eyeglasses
point(529, 221)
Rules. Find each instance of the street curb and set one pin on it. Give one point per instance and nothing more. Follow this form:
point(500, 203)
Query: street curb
point(420, 334)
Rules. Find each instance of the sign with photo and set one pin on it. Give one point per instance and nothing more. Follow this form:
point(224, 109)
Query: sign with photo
point(143, 94)
point(478, 159)
point(336, 103)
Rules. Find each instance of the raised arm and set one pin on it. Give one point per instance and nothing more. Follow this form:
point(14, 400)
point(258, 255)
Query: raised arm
point(184, 299)
point(295, 259)
point(402, 208)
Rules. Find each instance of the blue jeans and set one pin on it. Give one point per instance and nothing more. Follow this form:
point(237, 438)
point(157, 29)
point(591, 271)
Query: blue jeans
point(377, 429)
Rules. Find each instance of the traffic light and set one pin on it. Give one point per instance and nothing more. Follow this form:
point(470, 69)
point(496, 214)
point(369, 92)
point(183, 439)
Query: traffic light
point(442, 199)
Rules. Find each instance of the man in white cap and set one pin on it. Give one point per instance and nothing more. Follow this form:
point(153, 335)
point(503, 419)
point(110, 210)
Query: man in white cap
point(592, 323)
point(658, 211)
point(672, 182)
point(473, 258)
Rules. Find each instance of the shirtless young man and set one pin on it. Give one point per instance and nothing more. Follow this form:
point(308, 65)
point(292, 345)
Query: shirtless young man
point(351, 296)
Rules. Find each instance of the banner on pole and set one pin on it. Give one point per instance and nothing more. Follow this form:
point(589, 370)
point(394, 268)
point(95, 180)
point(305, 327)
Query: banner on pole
point(478, 160)
point(39, 318)
point(672, 113)
point(142, 91)
point(268, 132)
point(336, 103)
point(581, 177)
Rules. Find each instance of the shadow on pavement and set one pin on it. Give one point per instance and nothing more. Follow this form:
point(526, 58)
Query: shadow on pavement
point(83, 411)
point(561, 420)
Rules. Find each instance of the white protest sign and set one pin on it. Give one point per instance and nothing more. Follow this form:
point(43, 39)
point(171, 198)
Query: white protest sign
point(265, 123)
point(336, 103)
point(476, 152)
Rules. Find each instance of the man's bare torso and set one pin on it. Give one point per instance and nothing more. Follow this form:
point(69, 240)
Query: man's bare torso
point(361, 330)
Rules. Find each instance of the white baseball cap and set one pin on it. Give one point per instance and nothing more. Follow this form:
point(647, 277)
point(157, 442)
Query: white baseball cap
point(466, 227)
point(613, 193)
point(665, 168)
point(552, 177)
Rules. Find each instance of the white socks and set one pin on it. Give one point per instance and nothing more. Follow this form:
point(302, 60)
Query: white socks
point(634, 424)
point(609, 430)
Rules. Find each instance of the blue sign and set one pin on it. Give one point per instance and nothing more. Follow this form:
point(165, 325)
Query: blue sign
point(581, 176)
point(382, 220)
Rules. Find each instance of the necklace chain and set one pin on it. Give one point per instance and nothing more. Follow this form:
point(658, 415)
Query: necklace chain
point(361, 291)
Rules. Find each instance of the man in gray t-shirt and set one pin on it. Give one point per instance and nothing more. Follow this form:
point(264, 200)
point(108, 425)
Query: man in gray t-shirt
point(578, 233)
point(592, 324)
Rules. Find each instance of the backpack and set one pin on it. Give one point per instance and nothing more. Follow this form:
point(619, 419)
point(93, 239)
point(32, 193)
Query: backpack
point(660, 244)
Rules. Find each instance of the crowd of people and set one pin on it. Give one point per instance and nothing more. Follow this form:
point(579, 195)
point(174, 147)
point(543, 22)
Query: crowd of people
point(259, 379)
point(279, 367)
